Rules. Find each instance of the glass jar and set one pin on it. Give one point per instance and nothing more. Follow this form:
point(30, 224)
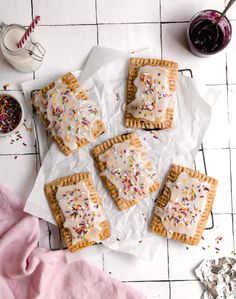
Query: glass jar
point(201, 44)
point(26, 59)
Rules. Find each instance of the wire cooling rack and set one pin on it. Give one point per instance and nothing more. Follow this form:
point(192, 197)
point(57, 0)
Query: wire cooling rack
point(50, 236)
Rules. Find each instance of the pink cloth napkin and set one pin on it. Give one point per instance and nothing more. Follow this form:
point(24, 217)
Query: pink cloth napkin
point(28, 272)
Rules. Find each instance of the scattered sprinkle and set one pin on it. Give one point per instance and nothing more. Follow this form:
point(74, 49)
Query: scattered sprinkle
point(15, 157)
point(27, 128)
point(24, 144)
point(218, 239)
point(6, 86)
point(117, 96)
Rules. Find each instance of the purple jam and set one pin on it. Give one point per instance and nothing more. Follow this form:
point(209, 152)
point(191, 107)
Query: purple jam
point(204, 39)
point(10, 113)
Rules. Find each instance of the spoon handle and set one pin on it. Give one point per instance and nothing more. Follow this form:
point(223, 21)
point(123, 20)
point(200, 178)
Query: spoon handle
point(230, 3)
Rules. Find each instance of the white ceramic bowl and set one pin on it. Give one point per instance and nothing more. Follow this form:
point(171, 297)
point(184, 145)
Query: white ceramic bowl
point(21, 120)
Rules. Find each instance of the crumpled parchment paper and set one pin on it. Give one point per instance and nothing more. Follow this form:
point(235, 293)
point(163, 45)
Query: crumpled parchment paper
point(105, 76)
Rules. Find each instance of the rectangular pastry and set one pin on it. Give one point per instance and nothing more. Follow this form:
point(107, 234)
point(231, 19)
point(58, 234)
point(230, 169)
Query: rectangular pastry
point(184, 205)
point(78, 210)
point(150, 91)
point(125, 169)
point(72, 119)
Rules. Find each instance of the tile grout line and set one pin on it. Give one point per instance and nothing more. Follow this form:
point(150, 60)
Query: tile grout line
point(37, 153)
point(96, 15)
point(104, 24)
point(22, 154)
point(116, 23)
point(37, 149)
point(19, 90)
point(32, 17)
point(32, 9)
point(168, 266)
point(167, 241)
point(160, 30)
point(230, 150)
point(232, 205)
point(160, 280)
point(230, 153)
point(231, 213)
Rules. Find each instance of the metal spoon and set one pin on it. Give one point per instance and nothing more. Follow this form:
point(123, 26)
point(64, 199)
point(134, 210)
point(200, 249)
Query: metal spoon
point(213, 29)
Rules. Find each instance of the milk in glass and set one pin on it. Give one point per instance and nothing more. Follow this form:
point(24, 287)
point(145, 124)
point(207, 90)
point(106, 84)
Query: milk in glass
point(26, 59)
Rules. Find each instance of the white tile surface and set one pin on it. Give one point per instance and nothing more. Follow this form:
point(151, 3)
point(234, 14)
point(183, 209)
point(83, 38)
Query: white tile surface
point(27, 143)
point(231, 14)
point(124, 37)
point(152, 290)
point(8, 75)
point(136, 269)
point(208, 70)
point(182, 10)
point(186, 290)
point(233, 165)
point(199, 162)
point(65, 11)
point(217, 135)
point(218, 167)
point(184, 261)
point(231, 56)
point(18, 174)
point(67, 47)
point(234, 220)
point(15, 12)
point(122, 11)
point(232, 118)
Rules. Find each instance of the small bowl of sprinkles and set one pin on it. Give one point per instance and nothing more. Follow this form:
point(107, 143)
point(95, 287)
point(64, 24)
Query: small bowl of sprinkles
point(11, 115)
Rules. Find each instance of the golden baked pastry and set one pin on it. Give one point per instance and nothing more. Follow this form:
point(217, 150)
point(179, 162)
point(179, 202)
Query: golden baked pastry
point(184, 205)
point(125, 169)
point(150, 93)
point(72, 119)
point(78, 210)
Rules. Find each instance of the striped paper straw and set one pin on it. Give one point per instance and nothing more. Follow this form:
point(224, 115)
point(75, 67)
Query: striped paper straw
point(28, 32)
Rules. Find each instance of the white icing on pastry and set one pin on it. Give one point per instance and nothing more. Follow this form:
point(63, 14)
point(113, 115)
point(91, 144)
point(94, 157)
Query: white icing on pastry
point(82, 216)
point(186, 204)
point(153, 94)
point(70, 118)
point(129, 170)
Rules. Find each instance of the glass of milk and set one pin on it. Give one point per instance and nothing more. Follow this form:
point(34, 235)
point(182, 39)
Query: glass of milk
point(26, 59)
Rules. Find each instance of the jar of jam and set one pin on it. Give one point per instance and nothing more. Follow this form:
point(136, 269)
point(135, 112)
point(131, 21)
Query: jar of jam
point(205, 41)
